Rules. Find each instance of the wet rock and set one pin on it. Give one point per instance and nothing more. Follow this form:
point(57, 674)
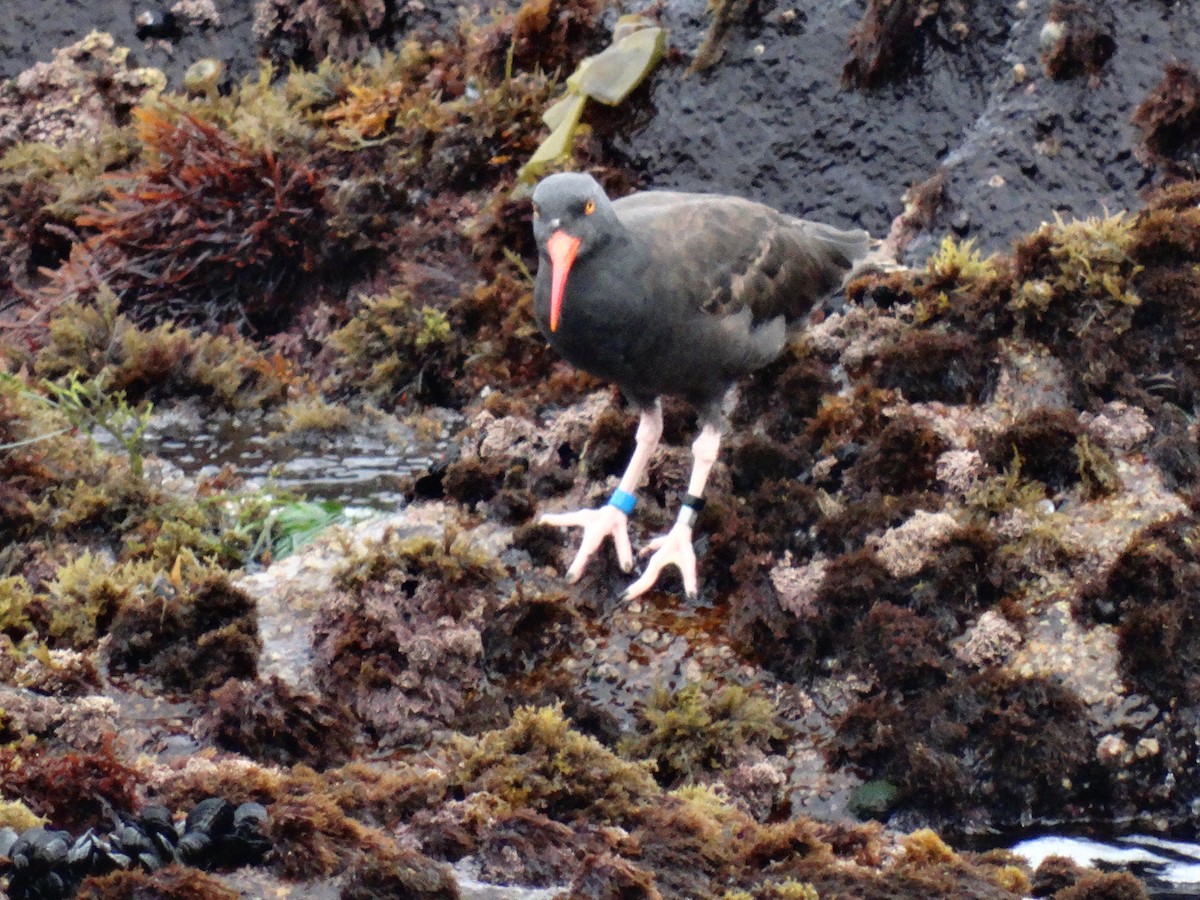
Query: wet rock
point(152, 22)
point(89, 86)
point(959, 110)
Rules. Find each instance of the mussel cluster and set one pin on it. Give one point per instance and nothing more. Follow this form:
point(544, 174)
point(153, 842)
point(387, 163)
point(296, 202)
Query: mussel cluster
point(44, 864)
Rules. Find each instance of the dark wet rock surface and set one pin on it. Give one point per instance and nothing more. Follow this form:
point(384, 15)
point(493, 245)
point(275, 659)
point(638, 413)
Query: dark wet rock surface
point(169, 41)
point(774, 121)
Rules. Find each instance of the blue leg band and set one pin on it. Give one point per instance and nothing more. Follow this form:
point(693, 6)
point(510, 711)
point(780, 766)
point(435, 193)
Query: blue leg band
point(623, 500)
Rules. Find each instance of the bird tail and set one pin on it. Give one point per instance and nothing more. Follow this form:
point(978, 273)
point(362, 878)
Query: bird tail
point(843, 247)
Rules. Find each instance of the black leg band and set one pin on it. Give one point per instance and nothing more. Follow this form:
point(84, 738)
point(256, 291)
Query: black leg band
point(693, 502)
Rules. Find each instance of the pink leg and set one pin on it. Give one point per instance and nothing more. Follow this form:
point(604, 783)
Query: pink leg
point(675, 547)
point(608, 521)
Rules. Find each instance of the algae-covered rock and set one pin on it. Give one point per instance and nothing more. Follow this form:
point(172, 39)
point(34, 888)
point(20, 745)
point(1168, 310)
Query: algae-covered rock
point(400, 643)
point(540, 762)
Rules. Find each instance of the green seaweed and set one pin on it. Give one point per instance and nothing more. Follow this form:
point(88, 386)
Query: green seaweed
point(607, 77)
point(1097, 472)
point(93, 340)
point(313, 414)
point(86, 594)
point(89, 406)
point(1007, 491)
point(1084, 263)
point(16, 815)
point(451, 560)
point(15, 600)
point(295, 525)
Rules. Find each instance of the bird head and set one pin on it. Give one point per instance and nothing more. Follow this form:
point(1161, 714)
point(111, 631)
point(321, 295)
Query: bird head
point(572, 216)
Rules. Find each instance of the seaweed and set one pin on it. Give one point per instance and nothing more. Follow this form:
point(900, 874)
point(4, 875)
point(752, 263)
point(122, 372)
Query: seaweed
point(541, 35)
point(207, 231)
point(172, 882)
point(404, 873)
point(610, 877)
point(272, 722)
point(545, 852)
point(1080, 267)
point(43, 190)
point(1023, 743)
point(932, 365)
point(190, 638)
point(901, 459)
point(15, 600)
point(1044, 442)
point(698, 729)
point(539, 762)
point(1105, 886)
point(889, 42)
point(70, 788)
point(312, 838)
point(312, 31)
point(397, 350)
point(85, 596)
point(400, 643)
point(1150, 594)
point(1169, 118)
point(94, 340)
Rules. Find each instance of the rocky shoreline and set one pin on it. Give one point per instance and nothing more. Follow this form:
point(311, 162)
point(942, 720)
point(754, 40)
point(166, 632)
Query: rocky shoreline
point(949, 563)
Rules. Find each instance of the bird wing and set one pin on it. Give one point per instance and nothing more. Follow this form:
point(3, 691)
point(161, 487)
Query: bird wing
point(722, 254)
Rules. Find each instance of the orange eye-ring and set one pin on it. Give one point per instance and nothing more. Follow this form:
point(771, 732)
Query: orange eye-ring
point(589, 207)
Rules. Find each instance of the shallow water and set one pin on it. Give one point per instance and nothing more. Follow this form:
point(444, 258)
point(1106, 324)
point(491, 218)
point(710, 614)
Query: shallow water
point(1170, 869)
point(367, 466)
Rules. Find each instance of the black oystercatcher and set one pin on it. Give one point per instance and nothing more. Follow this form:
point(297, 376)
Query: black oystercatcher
point(672, 293)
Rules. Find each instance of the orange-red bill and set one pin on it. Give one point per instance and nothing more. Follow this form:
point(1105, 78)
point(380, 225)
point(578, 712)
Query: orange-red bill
point(562, 248)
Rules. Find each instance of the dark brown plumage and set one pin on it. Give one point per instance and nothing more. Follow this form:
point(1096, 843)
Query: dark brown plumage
point(672, 293)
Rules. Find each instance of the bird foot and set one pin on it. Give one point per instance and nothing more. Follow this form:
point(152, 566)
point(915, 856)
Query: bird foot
point(597, 524)
point(672, 549)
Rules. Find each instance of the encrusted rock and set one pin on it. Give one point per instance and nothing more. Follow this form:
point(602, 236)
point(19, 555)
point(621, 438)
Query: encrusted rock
point(88, 86)
point(989, 641)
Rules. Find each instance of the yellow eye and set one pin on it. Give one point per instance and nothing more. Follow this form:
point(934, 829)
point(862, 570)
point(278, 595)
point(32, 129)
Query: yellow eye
point(589, 207)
